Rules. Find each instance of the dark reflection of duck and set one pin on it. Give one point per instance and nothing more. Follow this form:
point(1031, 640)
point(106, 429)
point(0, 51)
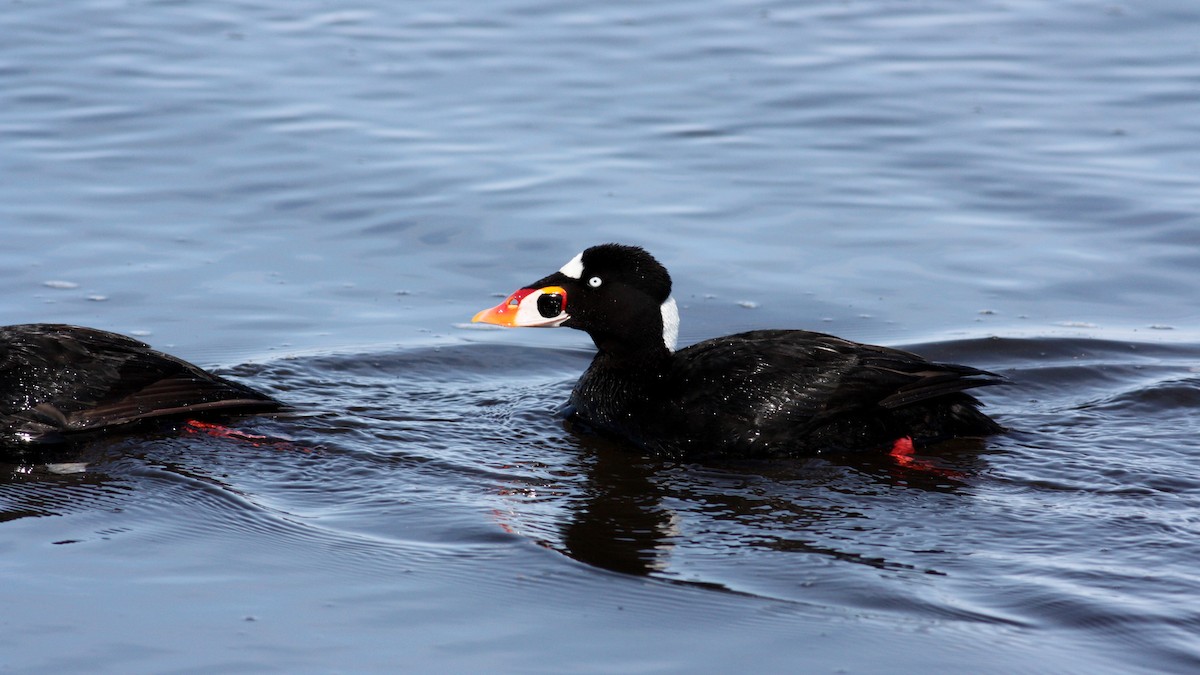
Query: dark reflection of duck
point(633, 514)
point(620, 524)
point(761, 393)
point(60, 382)
point(70, 483)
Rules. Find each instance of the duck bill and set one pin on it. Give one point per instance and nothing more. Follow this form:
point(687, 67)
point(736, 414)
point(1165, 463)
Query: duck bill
point(529, 307)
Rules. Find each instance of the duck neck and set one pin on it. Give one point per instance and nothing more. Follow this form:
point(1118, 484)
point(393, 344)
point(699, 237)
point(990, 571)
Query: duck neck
point(649, 346)
point(621, 353)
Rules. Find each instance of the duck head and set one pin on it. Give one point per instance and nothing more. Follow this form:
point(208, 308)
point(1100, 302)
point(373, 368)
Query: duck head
point(619, 295)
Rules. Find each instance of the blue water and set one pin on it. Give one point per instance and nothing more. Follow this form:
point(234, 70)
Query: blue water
point(314, 197)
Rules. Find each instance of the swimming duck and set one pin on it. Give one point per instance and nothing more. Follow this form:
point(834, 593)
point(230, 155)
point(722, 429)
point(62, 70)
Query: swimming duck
point(59, 382)
point(753, 394)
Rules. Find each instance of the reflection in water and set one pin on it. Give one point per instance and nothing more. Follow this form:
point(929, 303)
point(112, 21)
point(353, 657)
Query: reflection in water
point(34, 484)
point(620, 523)
point(60, 479)
point(627, 516)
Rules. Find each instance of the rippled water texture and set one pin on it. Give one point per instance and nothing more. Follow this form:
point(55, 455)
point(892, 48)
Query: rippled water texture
point(315, 197)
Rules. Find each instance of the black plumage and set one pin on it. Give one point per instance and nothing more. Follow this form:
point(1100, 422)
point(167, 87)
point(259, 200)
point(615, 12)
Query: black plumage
point(759, 393)
point(58, 382)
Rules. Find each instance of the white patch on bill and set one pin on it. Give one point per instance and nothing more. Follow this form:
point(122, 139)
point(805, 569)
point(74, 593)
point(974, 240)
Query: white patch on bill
point(670, 320)
point(574, 269)
point(529, 316)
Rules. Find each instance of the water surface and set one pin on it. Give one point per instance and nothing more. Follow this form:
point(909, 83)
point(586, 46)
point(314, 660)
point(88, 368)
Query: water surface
point(314, 197)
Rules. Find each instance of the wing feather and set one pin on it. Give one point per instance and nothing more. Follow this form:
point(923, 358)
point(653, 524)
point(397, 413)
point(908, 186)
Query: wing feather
point(59, 379)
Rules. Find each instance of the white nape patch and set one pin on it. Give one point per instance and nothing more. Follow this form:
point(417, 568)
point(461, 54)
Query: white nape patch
point(574, 269)
point(670, 318)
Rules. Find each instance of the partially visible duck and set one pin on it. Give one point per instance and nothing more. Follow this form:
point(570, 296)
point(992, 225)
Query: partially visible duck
point(59, 382)
point(760, 393)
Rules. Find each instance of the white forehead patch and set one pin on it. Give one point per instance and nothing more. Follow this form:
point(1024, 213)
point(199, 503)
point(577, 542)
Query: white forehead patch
point(574, 269)
point(670, 319)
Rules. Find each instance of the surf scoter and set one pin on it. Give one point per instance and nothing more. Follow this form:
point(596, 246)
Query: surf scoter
point(59, 382)
point(760, 393)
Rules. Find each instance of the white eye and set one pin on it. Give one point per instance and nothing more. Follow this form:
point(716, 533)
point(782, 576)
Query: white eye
point(595, 282)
